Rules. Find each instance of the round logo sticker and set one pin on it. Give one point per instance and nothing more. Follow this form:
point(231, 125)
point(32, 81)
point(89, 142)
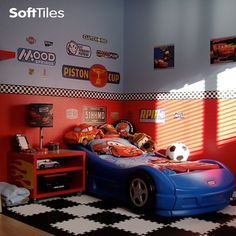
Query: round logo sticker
point(98, 75)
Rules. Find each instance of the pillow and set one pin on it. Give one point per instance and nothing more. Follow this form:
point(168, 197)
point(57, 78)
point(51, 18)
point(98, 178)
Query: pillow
point(117, 147)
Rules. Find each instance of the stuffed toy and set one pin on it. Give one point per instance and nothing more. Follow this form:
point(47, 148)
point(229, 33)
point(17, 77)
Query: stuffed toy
point(124, 127)
point(142, 141)
point(109, 131)
point(82, 134)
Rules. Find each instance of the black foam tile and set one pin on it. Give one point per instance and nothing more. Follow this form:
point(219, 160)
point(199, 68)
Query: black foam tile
point(215, 217)
point(223, 230)
point(171, 231)
point(107, 217)
point(162, 220)
point(109, 231)
point(59, 203)
point(105, 204)
point(43, 220)
point(233, 202)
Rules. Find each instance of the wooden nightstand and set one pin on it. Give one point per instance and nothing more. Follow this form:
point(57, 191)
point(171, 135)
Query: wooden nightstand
point(66, 176)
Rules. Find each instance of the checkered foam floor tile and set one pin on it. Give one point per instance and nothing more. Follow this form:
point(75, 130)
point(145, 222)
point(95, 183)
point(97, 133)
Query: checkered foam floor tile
point(89, 216)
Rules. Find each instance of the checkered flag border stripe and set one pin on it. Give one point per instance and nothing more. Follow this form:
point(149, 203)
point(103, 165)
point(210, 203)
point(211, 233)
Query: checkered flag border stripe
point(75, 93)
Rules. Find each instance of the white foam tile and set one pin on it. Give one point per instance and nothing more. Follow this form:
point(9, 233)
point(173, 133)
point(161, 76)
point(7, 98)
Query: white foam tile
point(124, 211)
point(232, 223)
point(195, 225)
point(138, 226)
point(231, 210)
point(31, 209)
point(78, 226)
point(81, 210)
point(83, 199)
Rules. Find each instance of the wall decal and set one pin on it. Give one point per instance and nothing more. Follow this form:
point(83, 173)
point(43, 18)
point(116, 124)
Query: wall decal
point(31, 40)
point(223, 50)
point(36, 56)
point(72, 114)
point(164, 57)
point(94, 38)
point(48, 43)
point(4, 55)
point(114, 115)
point(94, 114)
point(98, 75)
point(44, 75)
point(77, 93)
point(152, 115)
point(178, 115)
point(77, 49)
point(106, 54)
point(31, 71)
point(81, 73)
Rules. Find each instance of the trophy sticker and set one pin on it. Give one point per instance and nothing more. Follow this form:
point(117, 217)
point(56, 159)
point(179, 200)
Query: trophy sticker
point(98, 75)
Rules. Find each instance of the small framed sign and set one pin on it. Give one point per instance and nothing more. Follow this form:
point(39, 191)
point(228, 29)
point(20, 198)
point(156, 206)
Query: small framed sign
point(95, 114)
point(22, 142)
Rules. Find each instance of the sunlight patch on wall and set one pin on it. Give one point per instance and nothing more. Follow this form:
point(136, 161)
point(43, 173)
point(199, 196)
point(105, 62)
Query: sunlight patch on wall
point(198, 86)
point(226, 117)
point(226, 80)
point(226, 121)
point(187, 129)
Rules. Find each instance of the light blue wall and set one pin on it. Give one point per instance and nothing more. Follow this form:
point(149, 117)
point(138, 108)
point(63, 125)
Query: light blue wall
point(189, 25)
point(133, 28)
point(103, 18)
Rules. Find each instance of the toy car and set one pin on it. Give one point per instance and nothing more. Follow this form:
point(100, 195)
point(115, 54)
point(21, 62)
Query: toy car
point(158, 187)
point(82, 134)
point(47, 163)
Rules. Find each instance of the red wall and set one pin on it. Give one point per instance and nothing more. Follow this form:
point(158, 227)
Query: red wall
point(208, 127)
point(13, 120)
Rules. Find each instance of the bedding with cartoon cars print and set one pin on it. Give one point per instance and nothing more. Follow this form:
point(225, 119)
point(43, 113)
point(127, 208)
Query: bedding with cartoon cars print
point(116, 148)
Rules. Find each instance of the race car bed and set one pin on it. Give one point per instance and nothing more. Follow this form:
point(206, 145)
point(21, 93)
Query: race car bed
point(151, 184)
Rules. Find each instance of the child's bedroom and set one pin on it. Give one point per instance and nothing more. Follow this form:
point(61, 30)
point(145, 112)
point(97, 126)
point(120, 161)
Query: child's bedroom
point(118, 117)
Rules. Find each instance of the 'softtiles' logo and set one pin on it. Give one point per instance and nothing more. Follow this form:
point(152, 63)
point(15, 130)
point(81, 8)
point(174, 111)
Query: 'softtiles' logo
point(35, 12)
point(35, 56)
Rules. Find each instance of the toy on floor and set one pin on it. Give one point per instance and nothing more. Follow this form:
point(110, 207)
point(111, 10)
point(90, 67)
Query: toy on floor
point(177, 152)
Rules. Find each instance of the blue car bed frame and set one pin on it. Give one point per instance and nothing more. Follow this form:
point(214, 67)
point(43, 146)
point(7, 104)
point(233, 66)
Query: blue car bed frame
point(149, 189)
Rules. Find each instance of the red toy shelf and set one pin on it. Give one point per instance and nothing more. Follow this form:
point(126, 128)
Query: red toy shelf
point(68, 177)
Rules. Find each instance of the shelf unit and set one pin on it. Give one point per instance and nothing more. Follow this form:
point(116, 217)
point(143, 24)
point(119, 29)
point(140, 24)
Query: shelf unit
point(23, 172)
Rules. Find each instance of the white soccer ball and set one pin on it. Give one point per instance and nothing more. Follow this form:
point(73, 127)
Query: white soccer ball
point(177, 152)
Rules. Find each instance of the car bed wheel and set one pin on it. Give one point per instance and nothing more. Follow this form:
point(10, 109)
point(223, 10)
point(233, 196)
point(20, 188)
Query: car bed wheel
point(141, 192)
